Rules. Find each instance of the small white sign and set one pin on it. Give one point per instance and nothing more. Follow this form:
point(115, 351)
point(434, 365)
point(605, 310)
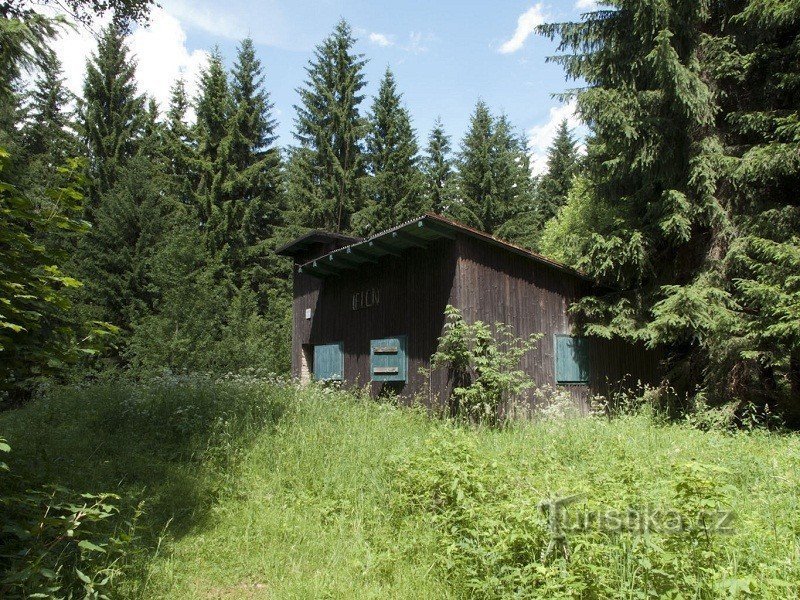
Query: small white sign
point(308, 313)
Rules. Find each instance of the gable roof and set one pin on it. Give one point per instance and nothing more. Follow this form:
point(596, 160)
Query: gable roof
point(416, 233)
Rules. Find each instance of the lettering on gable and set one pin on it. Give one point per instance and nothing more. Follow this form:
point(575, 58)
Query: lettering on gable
point(366, 299)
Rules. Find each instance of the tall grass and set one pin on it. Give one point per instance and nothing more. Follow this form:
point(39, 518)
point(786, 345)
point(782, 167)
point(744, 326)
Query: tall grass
point(252, 488)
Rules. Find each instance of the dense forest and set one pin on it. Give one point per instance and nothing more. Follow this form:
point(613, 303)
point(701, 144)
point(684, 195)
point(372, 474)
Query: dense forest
point(137, 240)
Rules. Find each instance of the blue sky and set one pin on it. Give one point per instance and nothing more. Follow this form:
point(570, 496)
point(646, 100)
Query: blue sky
point(445, 54)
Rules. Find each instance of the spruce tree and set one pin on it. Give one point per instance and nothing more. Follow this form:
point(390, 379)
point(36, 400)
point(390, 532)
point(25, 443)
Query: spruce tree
point(475, 185)
point(562, 166)
point(49, 126)
point(132, 222)
point(438, 169)
point(255, 178)
point(494, 181)
point(755, 67)
point(112, 112)
point(153, 142)
point(546, 195)
point(179, 146)
point(48, 134)
point(213, 106)
point(395, 186)
point(511, 174)
point(691, 162)
point(327, 178)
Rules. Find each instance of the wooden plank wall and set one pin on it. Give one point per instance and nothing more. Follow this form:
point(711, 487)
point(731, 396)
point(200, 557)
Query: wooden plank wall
point(497, 286)
point(486, 282)
point(414, 289)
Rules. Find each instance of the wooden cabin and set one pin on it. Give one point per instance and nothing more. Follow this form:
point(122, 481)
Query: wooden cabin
point(370, 311)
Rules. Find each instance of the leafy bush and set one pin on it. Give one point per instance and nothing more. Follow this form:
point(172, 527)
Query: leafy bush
point(56, 543)
point(483, 365)
point(508, 531)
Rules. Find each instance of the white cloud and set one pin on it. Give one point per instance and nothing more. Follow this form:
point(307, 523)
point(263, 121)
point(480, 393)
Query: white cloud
point(526, 23)
point(586, 4)
point(264, 20)
point(380, 39)
point(417, 42)
point(218, 23)
point(159, 49)
point(162, 57)
point(541, 136)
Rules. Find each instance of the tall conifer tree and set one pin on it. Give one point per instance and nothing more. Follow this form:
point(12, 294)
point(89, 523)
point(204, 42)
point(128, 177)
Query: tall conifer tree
point(395, 186)
point(544, 197)
point(493, 172)
point(511, 174)
point(327, 176)
point(438, 169)
point(48, 134)
point(255, 180)
point(475, 171)
point(49, 129)
point(562, 166)
point(112, 112)
point(691, 154)
point(213, 107)
point(180, 145)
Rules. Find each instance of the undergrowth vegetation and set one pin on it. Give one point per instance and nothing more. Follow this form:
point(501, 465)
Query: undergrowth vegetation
point(251, 487)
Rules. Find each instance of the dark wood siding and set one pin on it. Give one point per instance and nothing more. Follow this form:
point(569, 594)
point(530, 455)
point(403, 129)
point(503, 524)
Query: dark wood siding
point(495, 286)
point(486, 282)
point(414, 289)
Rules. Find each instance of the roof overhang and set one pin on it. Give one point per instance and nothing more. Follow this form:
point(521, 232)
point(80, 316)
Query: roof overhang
point(313, 237)
point(417, 233)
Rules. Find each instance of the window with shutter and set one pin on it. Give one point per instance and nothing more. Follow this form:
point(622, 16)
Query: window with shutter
point(329, 362)
point(388, 359)
point(572, 359)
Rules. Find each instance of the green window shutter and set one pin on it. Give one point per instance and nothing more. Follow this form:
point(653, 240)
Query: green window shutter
point(329, 362)
point(572, 359)
point(389, 359)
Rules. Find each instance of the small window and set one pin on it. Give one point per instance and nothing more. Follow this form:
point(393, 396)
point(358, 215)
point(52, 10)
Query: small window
point(572, 359)
point(388, 359)
point(329, 362)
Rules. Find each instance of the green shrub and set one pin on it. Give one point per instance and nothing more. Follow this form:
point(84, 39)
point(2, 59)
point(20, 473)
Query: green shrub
point(507, 529)
point(56, 543)
point(482, 364)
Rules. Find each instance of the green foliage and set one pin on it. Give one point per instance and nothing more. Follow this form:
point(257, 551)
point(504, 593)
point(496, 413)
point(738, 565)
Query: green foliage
point(48, 136)
point(562, 166)
point(112, 113)
point(169, 448)
point(122, 12)
point(493, 173)
point(437, 168)
point(514, 519)
point(326, 182)
point(214, 105)
point(551, 193)
point(483, 364)
point(691, 163)
point(352, 498)
point(56, 543)
point(37, 334)
point(567, 236)
point(394, 188)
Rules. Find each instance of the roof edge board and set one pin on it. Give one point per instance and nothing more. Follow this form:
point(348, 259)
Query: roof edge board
point(411, 234)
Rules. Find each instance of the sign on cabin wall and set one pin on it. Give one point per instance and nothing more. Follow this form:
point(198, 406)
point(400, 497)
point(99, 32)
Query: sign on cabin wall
point(366, 299)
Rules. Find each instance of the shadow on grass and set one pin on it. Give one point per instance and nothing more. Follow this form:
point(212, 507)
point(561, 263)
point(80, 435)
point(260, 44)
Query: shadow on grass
point(169, 448)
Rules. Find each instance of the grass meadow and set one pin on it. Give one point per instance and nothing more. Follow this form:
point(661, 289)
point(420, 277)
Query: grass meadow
point(254, 488)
